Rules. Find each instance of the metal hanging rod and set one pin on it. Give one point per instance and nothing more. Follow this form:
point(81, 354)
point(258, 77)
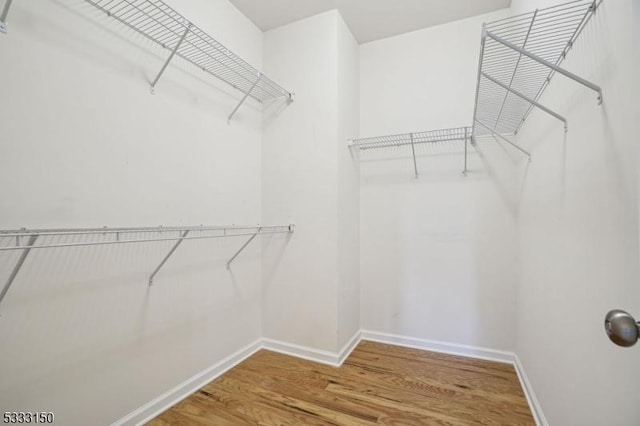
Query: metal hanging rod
point(413, 139)
point(518, 57)
point(161, 24)
point(11, 240)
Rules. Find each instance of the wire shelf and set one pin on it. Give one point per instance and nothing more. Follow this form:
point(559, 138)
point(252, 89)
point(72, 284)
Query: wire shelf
point(17, 239)
point(510, 81)
point(161, 24)
point(26, 240)
point(416, 138)
point(432, 136)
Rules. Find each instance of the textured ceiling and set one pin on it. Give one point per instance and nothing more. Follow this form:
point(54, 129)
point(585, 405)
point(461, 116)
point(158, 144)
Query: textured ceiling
point(368, 19)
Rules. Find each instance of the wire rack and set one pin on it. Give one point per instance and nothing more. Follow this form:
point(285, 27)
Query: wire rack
point(25, 240)
point(416, 138)
point(161, 24)
point(519, 56)
point(432, 136)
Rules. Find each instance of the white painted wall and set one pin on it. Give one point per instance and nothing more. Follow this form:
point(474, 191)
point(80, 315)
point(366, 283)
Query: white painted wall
point(578, 231)
point(437, 252)
point(299, 184)
point(311, 294)
point(84, 143)
point(348, 186)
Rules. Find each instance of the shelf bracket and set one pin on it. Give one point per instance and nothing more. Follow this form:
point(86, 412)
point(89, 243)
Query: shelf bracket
point(548, 64)
point(3, 17)
point(173, 249)
point(526, 98)
point(244, 98)
point(19, 263)
point(243, 247)
point(466, 143)
point(413, 150)
point(502, 137)
point(166, 63)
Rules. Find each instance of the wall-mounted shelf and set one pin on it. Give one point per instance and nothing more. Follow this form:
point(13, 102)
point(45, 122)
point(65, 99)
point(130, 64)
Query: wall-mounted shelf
point(161, 24)
point(413, 139)
point(26, 240)
point(519, 56)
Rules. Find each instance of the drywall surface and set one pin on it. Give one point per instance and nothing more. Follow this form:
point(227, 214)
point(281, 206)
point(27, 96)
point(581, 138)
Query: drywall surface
point(299, 184)
point(85, 144)
point(437, 252)
point(348, 186)
point(578, 231)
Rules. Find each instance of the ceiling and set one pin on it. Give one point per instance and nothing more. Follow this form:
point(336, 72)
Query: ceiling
point(368, 19)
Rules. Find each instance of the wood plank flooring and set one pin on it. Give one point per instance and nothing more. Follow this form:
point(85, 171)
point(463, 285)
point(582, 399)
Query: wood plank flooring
point(377, 385)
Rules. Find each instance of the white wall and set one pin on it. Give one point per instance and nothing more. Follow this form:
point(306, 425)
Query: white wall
point(311, 294)
point(84, 143)
point(437, 252)
point(578, 231)
point(348, 186)
point(299, 184)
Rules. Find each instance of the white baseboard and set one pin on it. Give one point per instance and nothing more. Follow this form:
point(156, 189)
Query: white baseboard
point(534, 404)
point(186, 388)
point(191, 385)
point(437, 346)
point(311, 354)
point(304, 352)
point(349, 347)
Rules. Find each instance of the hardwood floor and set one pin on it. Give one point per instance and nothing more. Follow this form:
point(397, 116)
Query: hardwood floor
point(377, 384)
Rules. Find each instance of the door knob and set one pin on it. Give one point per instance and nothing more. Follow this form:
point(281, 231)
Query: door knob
point(622, 328)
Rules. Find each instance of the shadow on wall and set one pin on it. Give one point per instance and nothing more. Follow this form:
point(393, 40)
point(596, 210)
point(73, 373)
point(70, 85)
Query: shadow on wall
point(435, 248)
point(141, 59)
point(85, 318)
point(506, 167)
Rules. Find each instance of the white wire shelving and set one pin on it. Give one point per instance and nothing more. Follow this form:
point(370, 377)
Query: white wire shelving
point(413, 139)
point(26, 240)
point(519, 56)
point(161, 24)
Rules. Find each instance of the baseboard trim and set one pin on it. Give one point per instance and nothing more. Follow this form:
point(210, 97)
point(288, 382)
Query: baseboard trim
point(437, 346)
point(311, 354)
point(299, 351)
point(157, 406)
point(534, 404)
point(349, 347)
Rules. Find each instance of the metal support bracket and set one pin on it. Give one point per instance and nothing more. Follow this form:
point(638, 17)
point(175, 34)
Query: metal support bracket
point(166, 63)
point(3, 17)
point(466, 143)
point(548, 64)
point(173, 249)
point(243, 247)
point(526, 98)
point(244, 98)
point(413, 150)
point(16, 269)
point(502, 137)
